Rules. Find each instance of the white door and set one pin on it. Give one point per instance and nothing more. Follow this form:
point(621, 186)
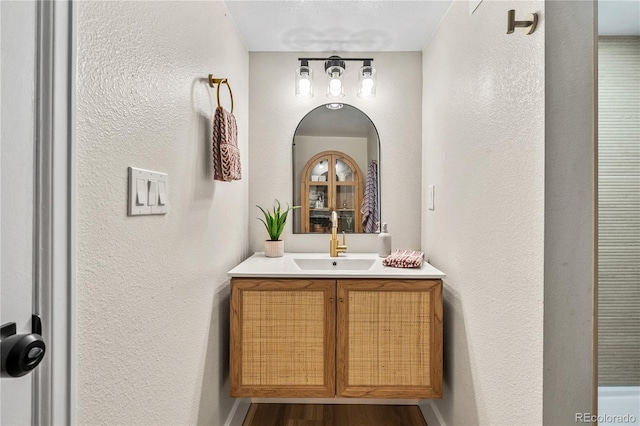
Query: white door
point(18, 39)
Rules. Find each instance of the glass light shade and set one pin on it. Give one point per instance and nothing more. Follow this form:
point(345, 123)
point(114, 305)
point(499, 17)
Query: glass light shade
point(304, 82)
point(335, 88)
point(367, 82)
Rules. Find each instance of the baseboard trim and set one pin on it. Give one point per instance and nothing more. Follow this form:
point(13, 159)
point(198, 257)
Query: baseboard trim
point(431, 413)
point(238, 412)
point(364, 401)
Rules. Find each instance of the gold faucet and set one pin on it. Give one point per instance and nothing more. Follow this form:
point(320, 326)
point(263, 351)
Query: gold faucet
point(334, 248)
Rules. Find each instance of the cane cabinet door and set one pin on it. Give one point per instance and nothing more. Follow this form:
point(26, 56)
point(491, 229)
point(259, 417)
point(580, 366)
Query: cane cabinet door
point(282, 338)
point(389, 338)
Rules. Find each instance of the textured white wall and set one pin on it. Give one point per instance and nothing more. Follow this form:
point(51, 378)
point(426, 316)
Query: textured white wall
point(152, 290)
point(483, 149)
point(396, 112)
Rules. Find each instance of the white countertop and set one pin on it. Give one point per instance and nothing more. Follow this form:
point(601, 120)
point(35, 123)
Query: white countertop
point(285, 267)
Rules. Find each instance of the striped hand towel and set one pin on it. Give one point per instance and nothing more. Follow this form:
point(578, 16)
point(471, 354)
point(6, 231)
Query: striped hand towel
point(226, 155)
point(369, 207)
point(404, 259)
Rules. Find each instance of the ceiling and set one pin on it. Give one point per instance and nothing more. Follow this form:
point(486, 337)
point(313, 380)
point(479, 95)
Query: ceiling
point(336, 25)
point(371, 25)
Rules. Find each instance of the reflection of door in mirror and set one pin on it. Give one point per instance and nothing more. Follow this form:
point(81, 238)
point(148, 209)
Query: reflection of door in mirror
point(331, 180)
point(351, 133)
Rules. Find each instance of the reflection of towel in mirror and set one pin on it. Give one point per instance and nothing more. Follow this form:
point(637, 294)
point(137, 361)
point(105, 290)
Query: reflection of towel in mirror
point(369, 208)
point(226, 155)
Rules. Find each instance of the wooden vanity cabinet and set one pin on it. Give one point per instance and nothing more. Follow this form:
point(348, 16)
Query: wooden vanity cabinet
point(282, 338)
point(388, 334)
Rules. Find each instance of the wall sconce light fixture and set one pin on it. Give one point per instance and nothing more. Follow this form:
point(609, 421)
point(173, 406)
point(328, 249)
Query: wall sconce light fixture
point(334, 67)
point(367, 81)
point(304, 80)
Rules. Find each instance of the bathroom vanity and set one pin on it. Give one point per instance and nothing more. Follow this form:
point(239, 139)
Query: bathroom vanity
point(311, 325)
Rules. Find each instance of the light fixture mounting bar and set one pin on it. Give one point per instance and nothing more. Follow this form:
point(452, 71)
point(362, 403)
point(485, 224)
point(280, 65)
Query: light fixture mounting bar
point(332, 58)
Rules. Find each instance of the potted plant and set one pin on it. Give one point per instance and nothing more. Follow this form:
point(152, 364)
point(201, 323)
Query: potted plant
point(274, 222)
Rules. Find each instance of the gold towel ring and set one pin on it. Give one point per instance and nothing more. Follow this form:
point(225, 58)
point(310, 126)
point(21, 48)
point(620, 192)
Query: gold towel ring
point(220, 82)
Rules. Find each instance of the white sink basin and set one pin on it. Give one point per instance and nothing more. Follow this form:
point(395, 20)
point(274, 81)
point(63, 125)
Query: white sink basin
point(335, 264)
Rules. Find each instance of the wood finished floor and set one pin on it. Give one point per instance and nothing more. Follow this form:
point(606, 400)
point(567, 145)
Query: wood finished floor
point(333, 415)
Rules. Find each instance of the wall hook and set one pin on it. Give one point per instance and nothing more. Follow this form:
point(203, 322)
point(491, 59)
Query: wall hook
point(530, 23)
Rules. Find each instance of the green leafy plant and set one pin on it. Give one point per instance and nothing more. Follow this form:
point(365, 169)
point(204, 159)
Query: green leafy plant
point(274, 222)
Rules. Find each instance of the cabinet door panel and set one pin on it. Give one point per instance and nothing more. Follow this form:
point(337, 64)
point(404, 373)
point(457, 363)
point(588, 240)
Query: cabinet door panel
point(282, 338)
point(390, 338)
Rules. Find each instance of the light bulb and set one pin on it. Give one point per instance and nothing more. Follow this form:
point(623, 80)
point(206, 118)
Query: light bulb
point(367, 84)
point(335, 86)
point(304, 86)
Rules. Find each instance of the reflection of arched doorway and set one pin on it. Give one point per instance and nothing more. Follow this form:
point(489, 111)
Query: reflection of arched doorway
point(331, 180)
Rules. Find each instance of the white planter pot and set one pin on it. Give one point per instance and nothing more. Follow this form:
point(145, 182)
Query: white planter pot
point(274, 248)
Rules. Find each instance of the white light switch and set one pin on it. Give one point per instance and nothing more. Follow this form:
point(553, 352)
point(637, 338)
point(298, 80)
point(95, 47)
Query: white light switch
point(431, 197)
point(162, 193)
point(153, 192)
point(148, 192)
point(141, 192)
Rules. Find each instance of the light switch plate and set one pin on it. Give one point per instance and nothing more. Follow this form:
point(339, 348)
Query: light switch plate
point(152, 196)
point(431, 197)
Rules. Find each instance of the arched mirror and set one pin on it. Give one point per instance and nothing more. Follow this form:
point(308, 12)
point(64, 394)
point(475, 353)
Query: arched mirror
point(336, 157)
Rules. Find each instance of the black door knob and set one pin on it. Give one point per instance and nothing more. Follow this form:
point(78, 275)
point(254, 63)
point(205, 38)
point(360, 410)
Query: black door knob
point(20, 353)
